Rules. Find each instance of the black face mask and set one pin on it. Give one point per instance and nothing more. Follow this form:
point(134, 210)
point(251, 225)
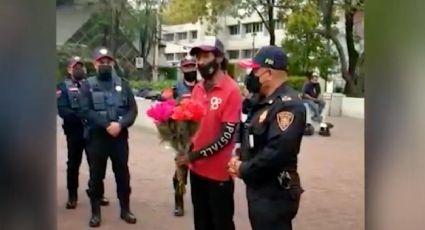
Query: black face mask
point(207, 71)
point(190, 76)
point(78, 74)
point(105, 72)
point(252, 83)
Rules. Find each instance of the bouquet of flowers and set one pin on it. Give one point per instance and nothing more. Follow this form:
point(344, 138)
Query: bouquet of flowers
point(176, 123)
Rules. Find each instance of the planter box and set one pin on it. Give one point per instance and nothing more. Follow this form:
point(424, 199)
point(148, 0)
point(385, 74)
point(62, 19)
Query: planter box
point(353, 107)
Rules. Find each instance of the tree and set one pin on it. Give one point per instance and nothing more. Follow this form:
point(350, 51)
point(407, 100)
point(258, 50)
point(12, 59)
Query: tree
point(353, 87)
point(183, 11)
point(307, 51)
point(141, 24)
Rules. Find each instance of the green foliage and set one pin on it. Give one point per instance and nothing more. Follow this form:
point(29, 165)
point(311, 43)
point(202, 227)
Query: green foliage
point(159, 85)
point(231, 69)
point(169, 73)
point(307, 51)
point(296, 82)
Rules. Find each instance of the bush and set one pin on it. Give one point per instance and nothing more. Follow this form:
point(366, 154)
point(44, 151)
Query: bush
point(296, 82)
point(159, 85)
point(170, 73)
point(231, 70)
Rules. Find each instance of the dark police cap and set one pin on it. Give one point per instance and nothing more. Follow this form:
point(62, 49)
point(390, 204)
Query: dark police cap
point(208, 44)
point(268, 57)
point(75, 60)
point(101, 53)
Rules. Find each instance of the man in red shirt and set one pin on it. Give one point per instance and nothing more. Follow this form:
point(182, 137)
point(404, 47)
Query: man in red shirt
point(212, 187)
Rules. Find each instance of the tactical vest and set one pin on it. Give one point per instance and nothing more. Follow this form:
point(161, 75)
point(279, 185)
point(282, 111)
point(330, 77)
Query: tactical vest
point(110, 104)
point(182, 89)
point(73, 94)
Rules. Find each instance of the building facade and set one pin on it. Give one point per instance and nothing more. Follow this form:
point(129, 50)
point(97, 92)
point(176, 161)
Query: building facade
point(241, 37)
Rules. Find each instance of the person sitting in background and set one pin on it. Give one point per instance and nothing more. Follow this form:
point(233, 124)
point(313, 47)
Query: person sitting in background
point(311, 95)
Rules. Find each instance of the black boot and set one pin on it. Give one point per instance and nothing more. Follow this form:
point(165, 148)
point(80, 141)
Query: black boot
point(126, 215)
point(178, 205)
point(72, 200)
point(95, 214)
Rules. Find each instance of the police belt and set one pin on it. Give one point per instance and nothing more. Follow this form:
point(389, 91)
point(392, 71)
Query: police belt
point(288, 179)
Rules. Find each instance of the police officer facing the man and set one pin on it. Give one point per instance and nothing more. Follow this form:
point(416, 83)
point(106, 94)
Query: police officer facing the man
point(110, 109)
point(189, 70)
point(271, 143)
point(68, 105)
point(183, 89)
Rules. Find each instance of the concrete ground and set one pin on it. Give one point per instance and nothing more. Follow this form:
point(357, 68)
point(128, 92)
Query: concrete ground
point(331, 169)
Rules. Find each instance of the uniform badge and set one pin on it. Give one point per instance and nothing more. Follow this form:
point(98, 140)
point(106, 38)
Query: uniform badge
point(118, 88)
point(286, 98)
point(284, 119)
point(263, 116)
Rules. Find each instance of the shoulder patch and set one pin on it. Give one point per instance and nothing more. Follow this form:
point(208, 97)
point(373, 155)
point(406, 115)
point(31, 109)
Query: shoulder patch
point(58, 93)
point(284, 119)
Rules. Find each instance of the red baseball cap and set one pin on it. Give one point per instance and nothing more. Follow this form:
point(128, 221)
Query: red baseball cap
point(187, 61)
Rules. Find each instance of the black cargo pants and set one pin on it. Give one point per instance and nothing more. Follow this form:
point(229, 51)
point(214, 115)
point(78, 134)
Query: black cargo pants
point(101, 147)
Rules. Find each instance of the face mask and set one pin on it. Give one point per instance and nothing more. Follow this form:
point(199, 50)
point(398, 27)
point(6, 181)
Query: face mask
point(207, 71)
point(78, 74)
point(252, 83)
point(105, 72)
point(190, 76)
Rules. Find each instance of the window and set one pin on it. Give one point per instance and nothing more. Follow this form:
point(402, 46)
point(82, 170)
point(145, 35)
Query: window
point(248, 28)
point(194, 34)
point(233, 54)
point(180, 56)
point(169, 57)
point(246, 53)
point(257, 27)
point(234, 30)
point(278, 25)
point(168, 37)
point(182, 36)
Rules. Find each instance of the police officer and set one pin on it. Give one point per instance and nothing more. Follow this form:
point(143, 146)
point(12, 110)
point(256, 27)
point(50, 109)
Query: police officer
point(110, 109)
point(271, 143)
point(182, 89)
point(68, 104)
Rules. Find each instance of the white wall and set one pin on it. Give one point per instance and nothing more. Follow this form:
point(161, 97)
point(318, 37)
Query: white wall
point(353, 107)
point(142, 120)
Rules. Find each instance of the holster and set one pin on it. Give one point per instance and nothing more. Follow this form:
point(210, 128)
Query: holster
point(291, 182)
point(289, 179)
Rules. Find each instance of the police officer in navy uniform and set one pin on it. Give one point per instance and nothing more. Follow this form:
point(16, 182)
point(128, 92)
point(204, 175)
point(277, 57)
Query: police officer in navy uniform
point(185, 86)
point(68, 104)
point(270, 144)
point(110, 109)
point(183, 89)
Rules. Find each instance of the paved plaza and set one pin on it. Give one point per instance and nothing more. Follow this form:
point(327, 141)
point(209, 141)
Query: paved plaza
point(331, 169)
